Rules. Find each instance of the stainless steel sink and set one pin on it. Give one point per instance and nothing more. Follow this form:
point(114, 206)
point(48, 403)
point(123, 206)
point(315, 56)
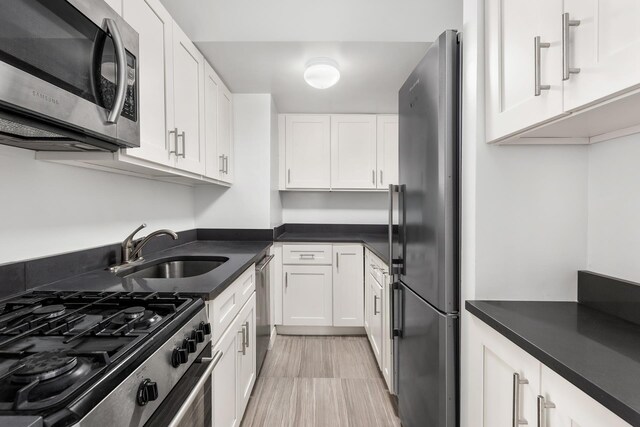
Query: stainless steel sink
point(173, 269)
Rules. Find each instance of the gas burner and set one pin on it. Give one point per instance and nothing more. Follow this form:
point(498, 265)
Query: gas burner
point(138, 317)
point(44, 366)
point(133, 312)
point(50, 311)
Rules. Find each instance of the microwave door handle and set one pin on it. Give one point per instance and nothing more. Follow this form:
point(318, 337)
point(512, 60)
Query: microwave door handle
point(121, 76)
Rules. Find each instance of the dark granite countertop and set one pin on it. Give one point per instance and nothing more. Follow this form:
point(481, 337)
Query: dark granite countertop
point(378, 243)
point(241, 255)
point(595, 351)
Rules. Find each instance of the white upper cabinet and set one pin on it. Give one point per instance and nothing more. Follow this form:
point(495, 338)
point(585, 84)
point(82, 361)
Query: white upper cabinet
point(353, 151)
point(307, 152)
point(155, 29)
point(214, 163)
point(523, 63)
point(225, 133)
point(604, 46)
point(218, 108)
point(188, 124)
point(388, 154)
point(348, 285)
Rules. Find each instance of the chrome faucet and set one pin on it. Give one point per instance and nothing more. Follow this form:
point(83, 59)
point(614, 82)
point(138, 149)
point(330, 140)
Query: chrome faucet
point(132, 249)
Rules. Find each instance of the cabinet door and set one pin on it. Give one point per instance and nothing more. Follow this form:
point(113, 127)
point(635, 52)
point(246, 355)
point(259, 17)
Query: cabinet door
point(246, 353)
point(375, 325)
point(572, 406)
point(307, 299)
point(353, 151)
point(368, 279)
point(224, 398)
point(387, 158)
point(606, 48)
point(307, 151)
point(225, 132)
point(501, 359)
point(214, 163)
point(188, 82)
point(511, 27)
point(155, 75)
point(348, 285)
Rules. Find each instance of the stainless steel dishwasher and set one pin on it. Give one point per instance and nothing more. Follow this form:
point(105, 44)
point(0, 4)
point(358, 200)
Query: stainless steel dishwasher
point(263, 310)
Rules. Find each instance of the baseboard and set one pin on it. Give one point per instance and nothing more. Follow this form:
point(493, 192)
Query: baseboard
point(320, 330)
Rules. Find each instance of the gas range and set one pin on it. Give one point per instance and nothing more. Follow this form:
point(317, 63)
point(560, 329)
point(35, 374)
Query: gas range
point(91, 358)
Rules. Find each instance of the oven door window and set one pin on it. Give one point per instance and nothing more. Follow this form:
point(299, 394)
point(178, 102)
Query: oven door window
point(52, 40)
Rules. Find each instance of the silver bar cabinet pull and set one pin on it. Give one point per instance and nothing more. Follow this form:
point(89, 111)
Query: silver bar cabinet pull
point(184, 145)
point(375, 305)
point(381, 181)
point(175, 141)
point(337, 260)
point(517, 382)
point(246, 324)
point(221, 157)
point(286, 280)
point(289, 176)
point(244, 340)
point(226, 164)
point(542, 407)
point(567, 23)
point(373, 176)
point(537, 47)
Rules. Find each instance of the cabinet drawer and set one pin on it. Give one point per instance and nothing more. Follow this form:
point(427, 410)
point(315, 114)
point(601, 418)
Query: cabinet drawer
point(307, 254)
point(224, 308)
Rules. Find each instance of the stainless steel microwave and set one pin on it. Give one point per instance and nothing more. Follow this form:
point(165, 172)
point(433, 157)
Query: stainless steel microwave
point(68, 76)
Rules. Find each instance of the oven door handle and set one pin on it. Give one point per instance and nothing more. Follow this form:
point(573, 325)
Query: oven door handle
point(264, 264)
point(121, 76)
point(213, 361)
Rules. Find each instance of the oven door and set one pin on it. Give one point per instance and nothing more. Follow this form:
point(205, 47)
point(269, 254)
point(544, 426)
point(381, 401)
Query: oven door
point(189, 402)
point(71, 62)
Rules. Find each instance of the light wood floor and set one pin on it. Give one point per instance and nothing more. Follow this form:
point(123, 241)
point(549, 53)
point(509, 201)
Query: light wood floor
point(320, 382)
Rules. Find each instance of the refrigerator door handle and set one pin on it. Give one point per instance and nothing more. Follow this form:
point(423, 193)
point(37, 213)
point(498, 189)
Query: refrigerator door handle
point(402, 230)
point(397, 317)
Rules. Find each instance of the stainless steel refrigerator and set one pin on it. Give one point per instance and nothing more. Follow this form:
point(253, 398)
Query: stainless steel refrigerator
point(426, 291)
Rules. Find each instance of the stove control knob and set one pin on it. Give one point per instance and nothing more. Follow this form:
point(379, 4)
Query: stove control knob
point(147, 392)
point(198, 335)
point(205, 327)
point(179, 356)
point(190, 345)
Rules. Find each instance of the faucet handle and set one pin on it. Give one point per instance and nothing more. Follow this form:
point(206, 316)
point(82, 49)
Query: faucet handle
point(130, 236)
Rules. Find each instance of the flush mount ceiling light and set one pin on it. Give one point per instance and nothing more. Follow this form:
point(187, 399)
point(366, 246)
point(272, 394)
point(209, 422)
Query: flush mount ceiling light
point(322, 73)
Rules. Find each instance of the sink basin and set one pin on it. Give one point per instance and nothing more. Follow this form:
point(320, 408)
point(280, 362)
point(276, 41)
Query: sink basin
point(174, 268)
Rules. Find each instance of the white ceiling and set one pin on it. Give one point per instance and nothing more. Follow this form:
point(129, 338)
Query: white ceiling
point(371, 73)
point(262, 46)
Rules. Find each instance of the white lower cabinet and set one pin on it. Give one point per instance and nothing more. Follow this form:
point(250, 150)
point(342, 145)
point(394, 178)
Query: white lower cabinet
point(224, 384)
point(373, 309)
point(348, 288)
point(378, 313)
point(234, 376)
point(246, 353)
point(307, 295)
point(508, 384)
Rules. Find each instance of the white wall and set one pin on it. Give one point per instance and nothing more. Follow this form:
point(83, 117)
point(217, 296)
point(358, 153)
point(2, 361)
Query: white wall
point(614, 208)
point(525, 207)
point(50, 208)
point(335, 207)
point(247, 204)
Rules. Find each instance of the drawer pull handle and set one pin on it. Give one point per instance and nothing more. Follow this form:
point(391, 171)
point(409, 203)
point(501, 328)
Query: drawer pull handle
point(307, 256)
